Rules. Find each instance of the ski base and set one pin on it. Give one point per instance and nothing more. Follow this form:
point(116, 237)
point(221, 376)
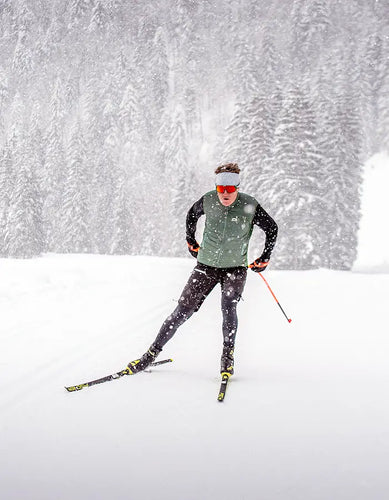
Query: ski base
point(223, 386)
point(108, 378)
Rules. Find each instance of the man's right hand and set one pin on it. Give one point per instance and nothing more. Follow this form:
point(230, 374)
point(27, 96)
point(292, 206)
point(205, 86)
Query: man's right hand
point(193, 249)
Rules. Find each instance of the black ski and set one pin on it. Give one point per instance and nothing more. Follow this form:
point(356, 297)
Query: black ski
point(223, 386)
point(108, 378)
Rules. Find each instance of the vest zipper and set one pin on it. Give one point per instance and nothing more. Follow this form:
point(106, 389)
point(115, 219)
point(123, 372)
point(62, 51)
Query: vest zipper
point(226, 210)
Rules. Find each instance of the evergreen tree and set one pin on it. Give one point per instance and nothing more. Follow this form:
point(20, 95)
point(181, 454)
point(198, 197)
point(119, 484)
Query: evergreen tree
point(4, 97)
point(54, 170)
point(383, 109)
point(129, 113)
point(77, 11)
point(268, 65)
point(99, 19)
point(259, 149)
point(75, 205)
point(22, 63)
point(175, 156)
point(36, 151)
point(236, 142)
point(7, 175)
point(51, 47)
point(341, 185)
point(317, 24)
point(101, 205)
point(294, 184)
point(373, 74)
point(159, 71)
point(17, 116)
point(121, 242)
point(24, 223)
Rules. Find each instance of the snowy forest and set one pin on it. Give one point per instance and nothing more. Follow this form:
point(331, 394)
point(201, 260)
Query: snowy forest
point(115, 113)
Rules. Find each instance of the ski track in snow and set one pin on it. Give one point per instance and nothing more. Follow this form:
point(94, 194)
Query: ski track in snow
point(305, 416)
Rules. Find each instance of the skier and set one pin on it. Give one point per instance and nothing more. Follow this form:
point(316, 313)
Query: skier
point(221, 258)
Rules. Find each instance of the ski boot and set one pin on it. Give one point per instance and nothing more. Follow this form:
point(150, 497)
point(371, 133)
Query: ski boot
point(139, 365)
point(227, 361)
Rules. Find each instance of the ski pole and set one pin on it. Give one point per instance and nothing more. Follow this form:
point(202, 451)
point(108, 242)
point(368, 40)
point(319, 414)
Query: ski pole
point(275, 298)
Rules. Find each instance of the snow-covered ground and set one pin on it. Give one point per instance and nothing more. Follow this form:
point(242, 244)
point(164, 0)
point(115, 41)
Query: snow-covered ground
point(305, 418)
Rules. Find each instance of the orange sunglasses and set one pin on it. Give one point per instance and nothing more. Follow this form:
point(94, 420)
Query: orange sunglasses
point(229, 189)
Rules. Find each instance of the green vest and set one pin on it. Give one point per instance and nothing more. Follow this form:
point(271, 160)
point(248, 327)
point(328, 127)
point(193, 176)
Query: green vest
point(227, 231)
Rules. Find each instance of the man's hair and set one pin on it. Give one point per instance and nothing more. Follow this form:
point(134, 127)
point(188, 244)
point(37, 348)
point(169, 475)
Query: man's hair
point(228, 167)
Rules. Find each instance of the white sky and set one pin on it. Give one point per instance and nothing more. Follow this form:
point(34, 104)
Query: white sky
point(373, 235)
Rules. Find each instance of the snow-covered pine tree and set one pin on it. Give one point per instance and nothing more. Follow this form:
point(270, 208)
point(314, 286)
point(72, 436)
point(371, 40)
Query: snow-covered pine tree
point(99, 18)
point(177, 180)
point(77, 11)
point(22, 63)
point(260, 136)
point(247, 84)
point(134, 158)
point(129, 113)
point(54, 169)
point(341, 183)
point(317, 25)
point(36, 149)
point(122, 212)
point(7, 179)
point(4, 97)
point(23, 23)
point(95, 161)
point(159, 70)
point(236, 141)
point(51, 48)
point(294, 183)
point(72, 91)
point(374, 64)
point(341, 141)
point(383, 110)
point(24, 223)
point(269, 65)
point(75, 230)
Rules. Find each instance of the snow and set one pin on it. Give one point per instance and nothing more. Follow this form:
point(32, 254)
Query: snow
point(373, 235)
point(305, 416)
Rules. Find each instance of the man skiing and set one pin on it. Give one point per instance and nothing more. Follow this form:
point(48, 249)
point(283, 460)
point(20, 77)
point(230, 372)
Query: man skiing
point(221, 258)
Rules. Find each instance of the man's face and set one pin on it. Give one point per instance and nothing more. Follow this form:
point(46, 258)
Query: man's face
point(225, 197)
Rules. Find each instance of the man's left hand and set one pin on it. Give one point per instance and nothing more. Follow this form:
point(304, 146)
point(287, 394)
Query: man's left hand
point(259, 265)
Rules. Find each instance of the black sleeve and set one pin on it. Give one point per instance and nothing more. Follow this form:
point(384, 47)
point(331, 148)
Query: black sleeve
point(267, 224)
point(194, 214)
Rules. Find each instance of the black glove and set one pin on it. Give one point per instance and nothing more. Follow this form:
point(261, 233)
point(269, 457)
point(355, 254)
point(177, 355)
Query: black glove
point(193, 248)
point(259, 265)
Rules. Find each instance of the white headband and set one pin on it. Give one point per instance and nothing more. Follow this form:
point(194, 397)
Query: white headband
point(227, 179)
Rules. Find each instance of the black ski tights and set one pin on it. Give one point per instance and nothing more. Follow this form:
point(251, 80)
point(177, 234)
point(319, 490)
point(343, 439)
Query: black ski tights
point(200, 284)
